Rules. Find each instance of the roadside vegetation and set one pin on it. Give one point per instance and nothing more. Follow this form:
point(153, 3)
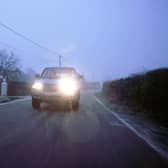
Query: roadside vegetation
point(10, 68)
point(145, 92)
point(19, 81)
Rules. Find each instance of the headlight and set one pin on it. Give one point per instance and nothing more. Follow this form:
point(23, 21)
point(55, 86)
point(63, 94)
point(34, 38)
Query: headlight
point(37, 86)
point(68, 86)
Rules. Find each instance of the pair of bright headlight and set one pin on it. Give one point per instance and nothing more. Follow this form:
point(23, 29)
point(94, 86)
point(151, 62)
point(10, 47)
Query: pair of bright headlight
point(67, 86)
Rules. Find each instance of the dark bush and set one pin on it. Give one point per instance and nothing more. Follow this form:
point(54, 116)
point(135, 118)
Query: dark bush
point(147, 91)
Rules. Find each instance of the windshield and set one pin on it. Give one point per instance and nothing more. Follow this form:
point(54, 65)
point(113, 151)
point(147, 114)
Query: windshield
point(57, 72)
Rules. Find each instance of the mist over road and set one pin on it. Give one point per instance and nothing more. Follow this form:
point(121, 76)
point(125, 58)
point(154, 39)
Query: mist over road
point(55, 137)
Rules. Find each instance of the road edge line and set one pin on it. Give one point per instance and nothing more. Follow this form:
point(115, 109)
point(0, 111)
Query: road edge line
point(133, 129)
point(15, 101)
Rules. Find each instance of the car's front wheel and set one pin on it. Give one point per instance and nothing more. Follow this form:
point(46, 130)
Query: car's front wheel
point(35, 103)
point(75, 105)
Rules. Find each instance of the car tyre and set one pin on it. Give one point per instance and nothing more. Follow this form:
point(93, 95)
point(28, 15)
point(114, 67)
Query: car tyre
point(75, 105)
point(35, 103)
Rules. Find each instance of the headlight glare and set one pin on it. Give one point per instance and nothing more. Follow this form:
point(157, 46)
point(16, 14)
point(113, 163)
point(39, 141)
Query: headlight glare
point(68, 86)
point(37, 86)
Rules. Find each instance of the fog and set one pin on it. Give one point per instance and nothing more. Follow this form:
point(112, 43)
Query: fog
point(103, 39)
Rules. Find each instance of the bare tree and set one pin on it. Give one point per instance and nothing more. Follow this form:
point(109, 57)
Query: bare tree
point(9, 67)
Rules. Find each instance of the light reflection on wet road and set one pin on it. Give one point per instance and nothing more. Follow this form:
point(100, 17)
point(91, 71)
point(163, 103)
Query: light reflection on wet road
point(55, 137)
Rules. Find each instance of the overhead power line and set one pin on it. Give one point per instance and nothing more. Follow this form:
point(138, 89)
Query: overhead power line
point(28, 39)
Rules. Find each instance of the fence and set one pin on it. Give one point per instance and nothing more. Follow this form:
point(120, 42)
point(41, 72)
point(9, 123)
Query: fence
point(18, 88)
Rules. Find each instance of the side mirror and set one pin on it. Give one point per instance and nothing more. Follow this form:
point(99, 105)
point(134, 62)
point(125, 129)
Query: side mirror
point(37, 75)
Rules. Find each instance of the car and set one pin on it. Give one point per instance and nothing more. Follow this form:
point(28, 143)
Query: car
point(57, 84)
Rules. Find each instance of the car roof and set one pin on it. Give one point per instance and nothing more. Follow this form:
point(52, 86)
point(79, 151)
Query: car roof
point(60, 68)
point(66, 68)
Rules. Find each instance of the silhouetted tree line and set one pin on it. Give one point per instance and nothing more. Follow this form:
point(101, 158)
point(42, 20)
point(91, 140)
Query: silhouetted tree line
point(148, 92)
point(19, 82)
point(10, 68)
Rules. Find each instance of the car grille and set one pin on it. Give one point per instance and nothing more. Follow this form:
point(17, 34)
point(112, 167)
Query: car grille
point(50, 88)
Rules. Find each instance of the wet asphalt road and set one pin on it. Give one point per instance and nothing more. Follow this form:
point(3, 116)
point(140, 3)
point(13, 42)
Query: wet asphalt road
point(56, 138)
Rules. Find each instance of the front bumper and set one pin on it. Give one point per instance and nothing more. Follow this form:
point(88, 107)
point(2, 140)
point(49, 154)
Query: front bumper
point(53, 96)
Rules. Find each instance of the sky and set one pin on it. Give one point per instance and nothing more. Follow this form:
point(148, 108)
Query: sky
point(102, 39)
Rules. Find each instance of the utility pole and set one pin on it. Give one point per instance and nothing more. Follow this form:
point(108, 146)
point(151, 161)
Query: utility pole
point(60, 60)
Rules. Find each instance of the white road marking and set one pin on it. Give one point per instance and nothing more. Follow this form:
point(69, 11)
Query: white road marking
point(15, 101)
point(148, 141)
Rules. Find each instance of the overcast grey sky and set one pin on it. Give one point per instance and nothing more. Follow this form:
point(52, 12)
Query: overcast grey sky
point(102, 38)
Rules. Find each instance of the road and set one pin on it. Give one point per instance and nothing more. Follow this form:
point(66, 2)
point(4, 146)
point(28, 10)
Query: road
point(54, 137)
